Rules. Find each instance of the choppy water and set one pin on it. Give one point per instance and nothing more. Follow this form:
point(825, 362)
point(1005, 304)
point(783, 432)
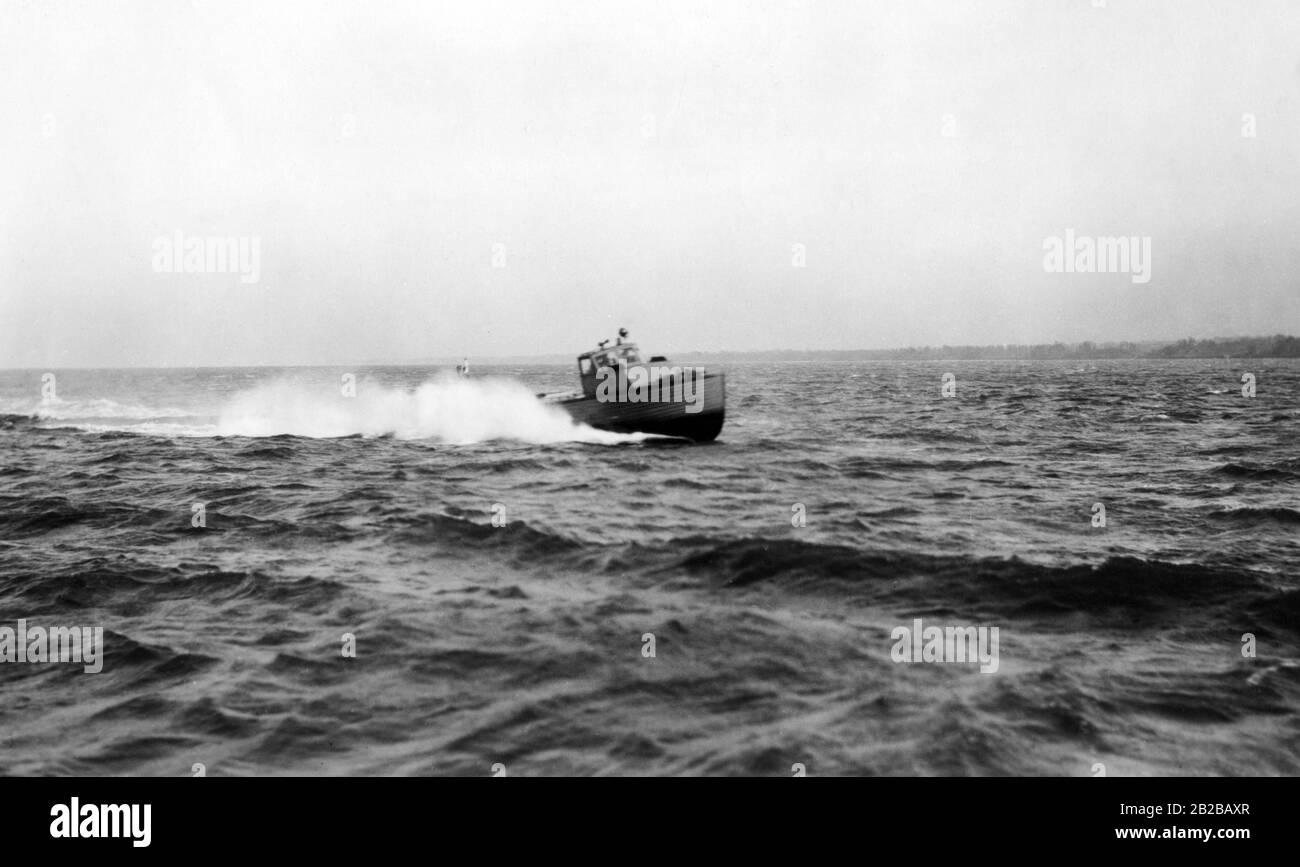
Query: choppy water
point(523, 644)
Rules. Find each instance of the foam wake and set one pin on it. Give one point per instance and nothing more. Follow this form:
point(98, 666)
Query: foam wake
point(449, 410)
point(91, 409)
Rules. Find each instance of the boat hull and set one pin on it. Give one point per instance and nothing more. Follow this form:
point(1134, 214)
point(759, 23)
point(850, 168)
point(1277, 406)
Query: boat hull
point(664, 419)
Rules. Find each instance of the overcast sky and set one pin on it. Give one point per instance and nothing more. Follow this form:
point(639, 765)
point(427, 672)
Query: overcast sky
point(652, 165)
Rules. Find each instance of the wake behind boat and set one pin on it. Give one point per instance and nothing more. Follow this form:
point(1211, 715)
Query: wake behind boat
point(622, 393)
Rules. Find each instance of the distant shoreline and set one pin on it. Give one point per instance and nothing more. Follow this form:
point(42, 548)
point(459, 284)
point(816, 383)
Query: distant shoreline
point(1278, 346)
point(1248, 347)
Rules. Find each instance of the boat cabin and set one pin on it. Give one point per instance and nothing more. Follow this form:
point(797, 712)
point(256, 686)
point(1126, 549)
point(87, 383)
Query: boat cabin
point(604, 356)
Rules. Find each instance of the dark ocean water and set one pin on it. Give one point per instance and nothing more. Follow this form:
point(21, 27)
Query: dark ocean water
point(523, 644)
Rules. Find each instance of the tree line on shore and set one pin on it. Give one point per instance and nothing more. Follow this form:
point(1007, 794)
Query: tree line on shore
point(1276, 346)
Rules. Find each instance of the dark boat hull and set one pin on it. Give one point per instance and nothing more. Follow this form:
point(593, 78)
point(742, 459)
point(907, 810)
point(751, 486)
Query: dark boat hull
point(664, 419)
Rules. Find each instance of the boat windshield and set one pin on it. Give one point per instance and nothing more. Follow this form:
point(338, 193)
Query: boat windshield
point(626, 353)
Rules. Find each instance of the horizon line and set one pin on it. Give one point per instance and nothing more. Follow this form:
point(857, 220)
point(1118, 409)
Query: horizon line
point(555, 357)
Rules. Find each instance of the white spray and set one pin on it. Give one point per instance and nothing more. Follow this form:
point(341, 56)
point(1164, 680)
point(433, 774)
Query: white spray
point(449, 410)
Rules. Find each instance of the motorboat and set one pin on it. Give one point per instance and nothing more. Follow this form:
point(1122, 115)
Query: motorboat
point(620, 392)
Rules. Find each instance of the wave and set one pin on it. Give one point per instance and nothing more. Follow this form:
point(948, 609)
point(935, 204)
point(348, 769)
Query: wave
point(1259, 513)
point(880, 467)
point(448, 410)
point(102, 416)
point(1124, 591)
point(1124, 588)
point(13, 421)
point(59, 409)
point(107, 581)
point(1284, 470)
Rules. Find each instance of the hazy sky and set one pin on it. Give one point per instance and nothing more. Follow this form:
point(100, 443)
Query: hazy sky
point(650, 165)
